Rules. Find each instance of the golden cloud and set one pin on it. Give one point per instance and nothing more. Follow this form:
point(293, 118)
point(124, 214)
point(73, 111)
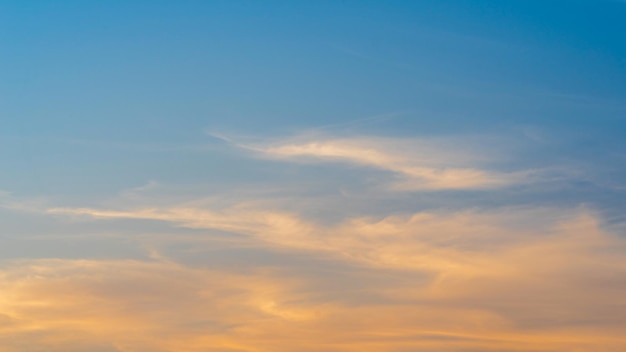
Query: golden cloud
point(506, 280)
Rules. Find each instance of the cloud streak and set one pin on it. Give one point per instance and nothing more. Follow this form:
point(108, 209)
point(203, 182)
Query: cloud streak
point(426, 164)
point(462, 281)
point(498, 279)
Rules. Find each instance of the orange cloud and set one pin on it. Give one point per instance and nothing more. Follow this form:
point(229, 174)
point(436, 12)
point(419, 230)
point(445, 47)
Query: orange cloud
point(507, 280)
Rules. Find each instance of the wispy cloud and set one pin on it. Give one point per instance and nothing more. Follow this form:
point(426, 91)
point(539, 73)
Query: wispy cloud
point(136, 306)
point(512, 279)
point(498, 278)
point(418, 164)
point(422, 241)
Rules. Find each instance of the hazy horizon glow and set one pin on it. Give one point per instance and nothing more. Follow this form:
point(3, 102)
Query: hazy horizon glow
point(319, 176)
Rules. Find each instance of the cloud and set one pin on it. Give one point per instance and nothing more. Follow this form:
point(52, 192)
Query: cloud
point(388, 242)
point(419, 164)
point(507, 280)
point(273, 226)
point(419, 241)
point(135, 306)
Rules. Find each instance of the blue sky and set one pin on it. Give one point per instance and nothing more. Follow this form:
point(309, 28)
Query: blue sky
point(162, 73)
point(328, 160)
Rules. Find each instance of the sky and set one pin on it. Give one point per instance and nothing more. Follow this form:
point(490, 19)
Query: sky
point(315, 176)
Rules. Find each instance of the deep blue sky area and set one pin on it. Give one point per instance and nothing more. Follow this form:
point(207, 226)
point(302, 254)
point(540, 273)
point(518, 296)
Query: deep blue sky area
point(80, 68)
point(162, 72)
point(120, 78)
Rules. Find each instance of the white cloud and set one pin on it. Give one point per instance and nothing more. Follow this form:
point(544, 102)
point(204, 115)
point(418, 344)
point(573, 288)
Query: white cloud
point(419, 164)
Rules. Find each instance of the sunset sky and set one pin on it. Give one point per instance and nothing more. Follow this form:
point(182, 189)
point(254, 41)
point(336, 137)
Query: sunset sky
point(313, 176)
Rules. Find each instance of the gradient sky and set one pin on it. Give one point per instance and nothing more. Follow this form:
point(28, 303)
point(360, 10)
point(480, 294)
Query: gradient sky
point(314, 176)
